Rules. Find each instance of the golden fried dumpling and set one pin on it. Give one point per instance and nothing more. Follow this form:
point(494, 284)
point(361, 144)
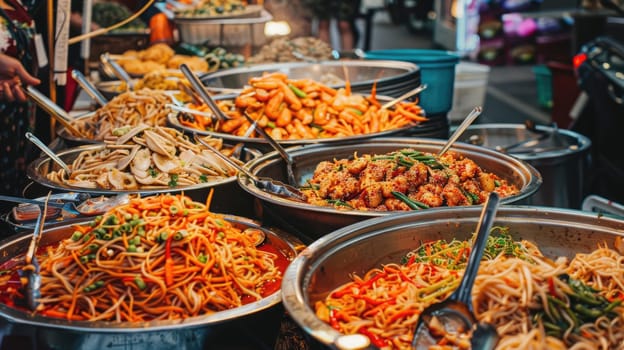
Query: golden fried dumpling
point(195, 63)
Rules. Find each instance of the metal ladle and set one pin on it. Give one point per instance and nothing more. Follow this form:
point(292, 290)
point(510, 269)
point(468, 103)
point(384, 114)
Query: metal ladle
point(455, 314)
point(290, 164)
point(460, 129)
point(266, 184)
point(31, 269)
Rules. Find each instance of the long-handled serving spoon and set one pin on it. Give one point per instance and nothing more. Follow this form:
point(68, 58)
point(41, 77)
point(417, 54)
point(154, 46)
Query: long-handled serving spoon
point(455, 314)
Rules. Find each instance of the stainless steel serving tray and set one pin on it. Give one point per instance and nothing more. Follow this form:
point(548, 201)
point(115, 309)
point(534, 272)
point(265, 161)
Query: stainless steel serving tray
point(192, 333)
point(362, 74)
point(311, 221)
point(328, 262)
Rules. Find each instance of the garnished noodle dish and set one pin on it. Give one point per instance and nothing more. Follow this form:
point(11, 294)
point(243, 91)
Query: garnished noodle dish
point(533, 301)
point(403, 180)
point(145, 157)
point(164, 257)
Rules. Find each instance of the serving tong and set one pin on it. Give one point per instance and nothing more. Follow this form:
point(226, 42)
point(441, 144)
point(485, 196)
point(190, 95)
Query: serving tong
point(201, 90)
point(290, 163)
point(119, 72)
point(455, 314)
point(266, 184)
point(89, 88)
point(53, 109)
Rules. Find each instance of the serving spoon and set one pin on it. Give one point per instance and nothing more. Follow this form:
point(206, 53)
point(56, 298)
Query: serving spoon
point(290, 163)
point(31, 269)
point(460, 129)
point(455, 314)
point(42, 146)
point(266, 184)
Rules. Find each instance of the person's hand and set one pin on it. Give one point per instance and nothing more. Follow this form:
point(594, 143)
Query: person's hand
point(12, 76)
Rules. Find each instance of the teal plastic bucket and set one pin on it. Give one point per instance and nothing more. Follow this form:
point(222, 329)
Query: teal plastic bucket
point(437, 70)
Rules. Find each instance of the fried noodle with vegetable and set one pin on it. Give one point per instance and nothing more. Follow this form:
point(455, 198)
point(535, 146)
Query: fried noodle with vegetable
point(403, 180)
point(126, 109)
point(290, 109)
point(534, 302)
point(164, 257)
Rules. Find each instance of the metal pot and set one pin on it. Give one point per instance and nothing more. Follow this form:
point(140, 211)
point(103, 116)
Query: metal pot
point(564, 164)
point(310, 222)
point(328, 262)
point(255, 324)
point(393, 78)
point(228, 197)
point(434, 127)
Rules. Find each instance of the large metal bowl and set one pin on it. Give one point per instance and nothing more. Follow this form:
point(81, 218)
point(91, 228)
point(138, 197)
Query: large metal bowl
point(310, 221)
point(241, 325)
point(328, 262)
point(228, 197)
point(434, 127)
point(393, 78)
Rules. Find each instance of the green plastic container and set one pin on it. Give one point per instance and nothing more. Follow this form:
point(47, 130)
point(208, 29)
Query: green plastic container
point(543, 78)
point(437, 70)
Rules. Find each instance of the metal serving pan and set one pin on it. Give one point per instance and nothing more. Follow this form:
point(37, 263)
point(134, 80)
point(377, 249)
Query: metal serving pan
point(242, 325)
point(227, 198)
point(328, 262)
point(310, 221)
point(361, 74)
point(433, 126)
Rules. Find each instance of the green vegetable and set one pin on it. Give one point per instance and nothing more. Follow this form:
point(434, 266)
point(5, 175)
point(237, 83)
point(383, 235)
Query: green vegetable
point(140, 283)
point(76, 236)
point(339, 203)
point(413, 204)
point(299, 92)
point(174, 180)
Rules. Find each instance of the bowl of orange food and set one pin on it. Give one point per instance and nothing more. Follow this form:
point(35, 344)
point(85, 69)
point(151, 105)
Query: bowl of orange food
point(347, 183)
point(304, 111)
point(153, 273)
point(549, 278)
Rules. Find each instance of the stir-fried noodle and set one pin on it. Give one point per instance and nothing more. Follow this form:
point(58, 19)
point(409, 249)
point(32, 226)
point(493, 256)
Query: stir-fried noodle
point(157, 258)
point(534, 302)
